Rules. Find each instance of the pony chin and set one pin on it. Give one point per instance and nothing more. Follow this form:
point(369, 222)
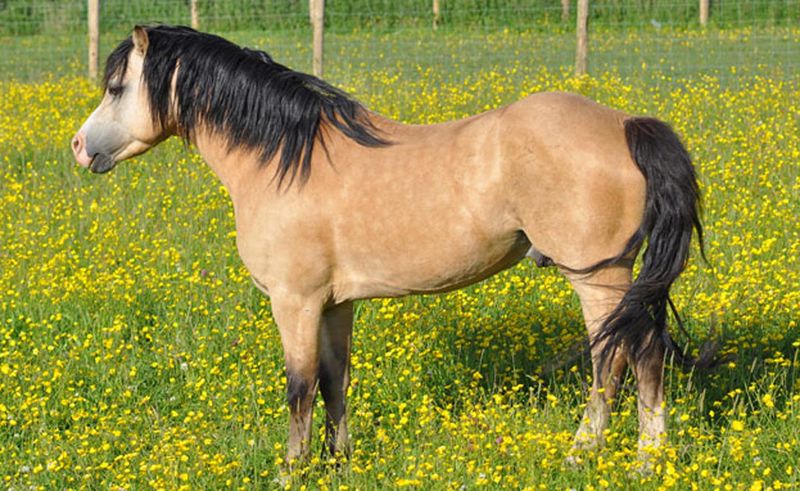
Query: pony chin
point(102, 163)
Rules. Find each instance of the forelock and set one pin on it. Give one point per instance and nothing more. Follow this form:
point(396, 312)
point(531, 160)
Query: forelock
point(117, 62)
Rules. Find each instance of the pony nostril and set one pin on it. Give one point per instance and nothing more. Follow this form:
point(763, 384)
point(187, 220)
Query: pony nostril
point(77, 143)
point(79, 149)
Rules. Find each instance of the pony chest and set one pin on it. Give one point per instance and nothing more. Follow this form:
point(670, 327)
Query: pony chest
point(256, 258)
point(283, 256)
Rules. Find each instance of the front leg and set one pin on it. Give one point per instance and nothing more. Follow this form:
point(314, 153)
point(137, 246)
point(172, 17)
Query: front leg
point(299, 320)
point(334, 376)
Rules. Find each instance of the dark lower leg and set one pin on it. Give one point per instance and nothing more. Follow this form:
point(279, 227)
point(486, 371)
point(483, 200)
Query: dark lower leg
point(300, 392)
point(334, 374)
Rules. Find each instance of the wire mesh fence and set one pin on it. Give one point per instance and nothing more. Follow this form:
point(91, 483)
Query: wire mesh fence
point(635, 38)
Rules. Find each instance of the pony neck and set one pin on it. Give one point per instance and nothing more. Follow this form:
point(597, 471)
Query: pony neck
point(237, 169)
point(242, 172)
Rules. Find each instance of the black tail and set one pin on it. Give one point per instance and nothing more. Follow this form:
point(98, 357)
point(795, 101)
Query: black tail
point(672, 205)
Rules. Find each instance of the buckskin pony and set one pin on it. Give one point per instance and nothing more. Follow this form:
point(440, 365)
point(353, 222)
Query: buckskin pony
point(334, 203)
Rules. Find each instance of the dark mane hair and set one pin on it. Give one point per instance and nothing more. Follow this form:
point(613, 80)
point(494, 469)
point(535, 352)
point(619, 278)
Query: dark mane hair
point(244, 95)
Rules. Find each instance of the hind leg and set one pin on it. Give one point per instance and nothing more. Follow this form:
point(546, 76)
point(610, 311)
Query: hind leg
point(649, 371)
point(599, 294)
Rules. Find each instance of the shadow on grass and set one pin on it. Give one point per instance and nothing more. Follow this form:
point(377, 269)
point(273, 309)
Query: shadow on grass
point(487, 353)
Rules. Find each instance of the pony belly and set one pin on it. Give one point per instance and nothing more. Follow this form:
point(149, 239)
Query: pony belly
point(477, 273)
point(446, 272)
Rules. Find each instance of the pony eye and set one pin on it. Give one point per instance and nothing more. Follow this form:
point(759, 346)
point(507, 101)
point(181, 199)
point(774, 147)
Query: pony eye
point(116, 90)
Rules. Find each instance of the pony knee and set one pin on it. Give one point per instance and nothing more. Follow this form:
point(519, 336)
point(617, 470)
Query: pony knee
point(298, 390)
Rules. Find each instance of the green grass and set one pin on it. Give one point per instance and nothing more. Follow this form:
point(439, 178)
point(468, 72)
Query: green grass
point(135, 352)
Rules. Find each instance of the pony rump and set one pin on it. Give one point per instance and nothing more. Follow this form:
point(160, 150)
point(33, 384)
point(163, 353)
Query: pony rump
point(672, 205)
point(243, 95)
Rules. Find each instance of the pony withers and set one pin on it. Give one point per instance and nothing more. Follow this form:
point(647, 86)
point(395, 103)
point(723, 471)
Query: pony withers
point(334, 203)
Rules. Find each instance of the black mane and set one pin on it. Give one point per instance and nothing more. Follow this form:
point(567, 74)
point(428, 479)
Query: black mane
point(244, 95)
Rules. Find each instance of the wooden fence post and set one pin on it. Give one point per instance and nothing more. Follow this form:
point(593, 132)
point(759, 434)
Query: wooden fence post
point(436, 12)
point(704, 12)
point(195, 14)
point(317, 11)
point(94, 37)
point(582, 51)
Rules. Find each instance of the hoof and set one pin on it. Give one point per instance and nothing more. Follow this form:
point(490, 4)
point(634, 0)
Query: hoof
point(582, 448)
point(645, 468)
point(648, 458)
point(283, 481)
point(587, 443)
point(291, 470)
point(573, 460)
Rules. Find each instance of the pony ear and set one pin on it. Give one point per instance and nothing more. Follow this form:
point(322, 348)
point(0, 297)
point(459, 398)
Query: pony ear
point(140, 40)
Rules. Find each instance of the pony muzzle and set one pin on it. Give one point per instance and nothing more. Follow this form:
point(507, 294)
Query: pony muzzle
point(78, 146)
point(102, 163)
point(99, 162)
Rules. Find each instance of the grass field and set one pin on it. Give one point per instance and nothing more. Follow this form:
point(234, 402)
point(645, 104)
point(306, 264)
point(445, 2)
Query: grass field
point(135, 352)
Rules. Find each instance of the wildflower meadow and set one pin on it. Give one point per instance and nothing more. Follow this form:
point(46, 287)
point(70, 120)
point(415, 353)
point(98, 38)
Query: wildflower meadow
point(135, 352)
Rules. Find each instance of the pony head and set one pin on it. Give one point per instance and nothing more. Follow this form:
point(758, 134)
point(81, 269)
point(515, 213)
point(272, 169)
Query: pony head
point(173, 80)
point(122, 126)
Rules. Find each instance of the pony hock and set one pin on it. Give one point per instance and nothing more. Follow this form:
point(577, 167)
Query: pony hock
point(334, 203)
